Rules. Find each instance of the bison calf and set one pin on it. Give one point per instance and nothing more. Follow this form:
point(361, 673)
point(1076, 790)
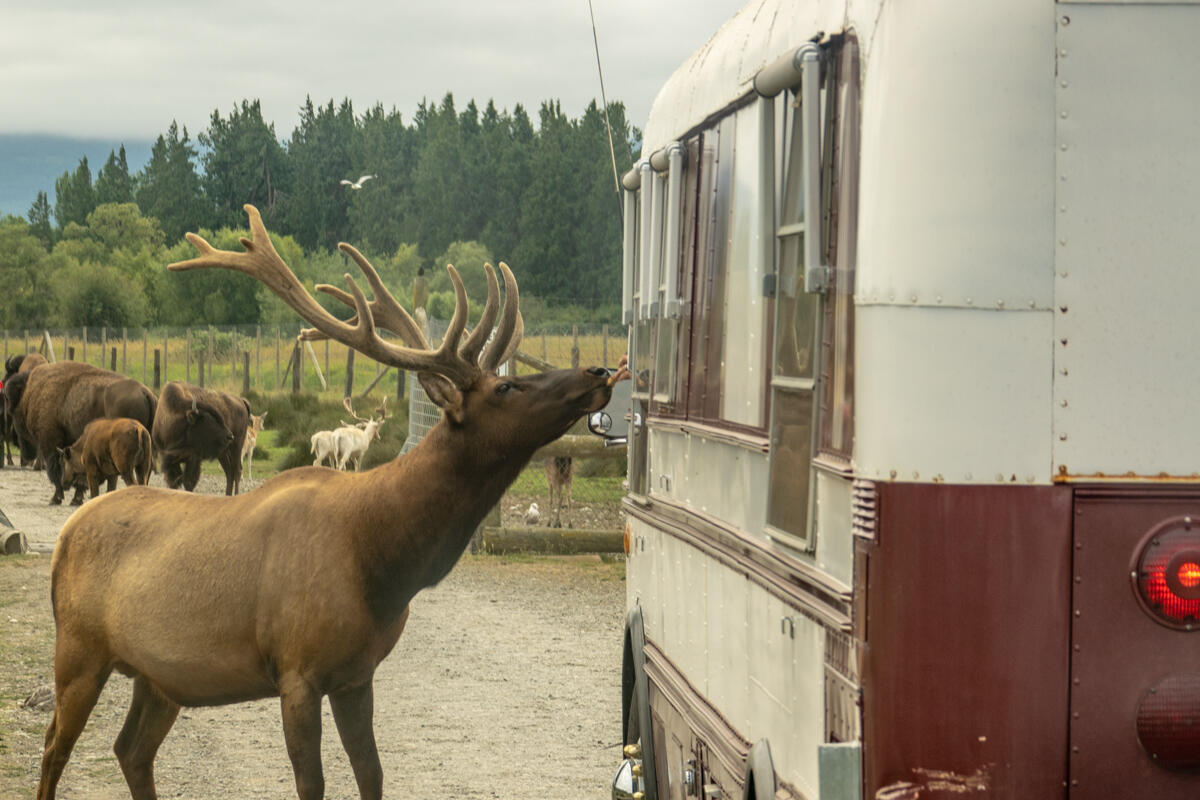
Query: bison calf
point(108, 448)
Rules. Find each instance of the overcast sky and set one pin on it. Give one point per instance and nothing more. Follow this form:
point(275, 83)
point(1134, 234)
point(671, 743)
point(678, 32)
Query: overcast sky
point(126, 68)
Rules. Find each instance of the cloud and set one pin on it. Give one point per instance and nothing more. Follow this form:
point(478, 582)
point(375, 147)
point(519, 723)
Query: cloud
point(128, 68)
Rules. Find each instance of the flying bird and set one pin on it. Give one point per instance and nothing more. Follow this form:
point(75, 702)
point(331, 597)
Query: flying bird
point(358, 183)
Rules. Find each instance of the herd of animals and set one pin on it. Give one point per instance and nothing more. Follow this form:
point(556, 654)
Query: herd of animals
point(300, 588)
point(86, 426)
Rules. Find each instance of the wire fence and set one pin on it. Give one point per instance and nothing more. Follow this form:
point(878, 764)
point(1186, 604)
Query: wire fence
point(267, 359)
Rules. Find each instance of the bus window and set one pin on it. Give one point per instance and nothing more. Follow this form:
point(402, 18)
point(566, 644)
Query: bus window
point(792, 375)
point(837, 338)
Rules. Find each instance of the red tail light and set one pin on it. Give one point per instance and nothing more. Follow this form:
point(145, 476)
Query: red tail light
point(1166, 573)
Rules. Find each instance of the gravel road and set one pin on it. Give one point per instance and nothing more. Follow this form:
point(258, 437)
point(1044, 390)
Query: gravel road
point(505, 684)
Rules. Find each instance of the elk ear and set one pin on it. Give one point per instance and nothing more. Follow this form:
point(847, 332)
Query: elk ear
point(443, 394)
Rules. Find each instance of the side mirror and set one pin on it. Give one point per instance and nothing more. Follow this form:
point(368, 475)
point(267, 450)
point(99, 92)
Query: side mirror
point(612, 421)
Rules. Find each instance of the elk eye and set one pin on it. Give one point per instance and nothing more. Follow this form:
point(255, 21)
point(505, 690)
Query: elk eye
point(503, 388)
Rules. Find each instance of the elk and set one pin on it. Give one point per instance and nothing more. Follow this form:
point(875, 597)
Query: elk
point(353, 441)
point(257, 423)
point(317, 566)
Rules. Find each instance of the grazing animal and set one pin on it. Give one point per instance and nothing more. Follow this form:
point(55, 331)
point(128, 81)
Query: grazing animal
point(107, 449)
point(316, 567)
point(257, 422)
point(59, 401)
point(559, 472)
point(352, 441)
point(13, 366)
point(195, 424)
point(358, 184)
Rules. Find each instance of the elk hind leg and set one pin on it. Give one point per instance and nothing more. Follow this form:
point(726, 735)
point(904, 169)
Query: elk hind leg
point(78, 683)
point(150, 718)
point(353, 711)
point(300, 705)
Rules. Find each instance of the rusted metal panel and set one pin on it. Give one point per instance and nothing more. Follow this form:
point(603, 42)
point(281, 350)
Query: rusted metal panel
point(1120, 652)
point(965, 685)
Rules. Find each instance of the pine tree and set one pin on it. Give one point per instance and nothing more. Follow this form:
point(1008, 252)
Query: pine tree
point(75, 197)
point(39, 220)
point(114, 184)
point(169, 188)
point(243, 163)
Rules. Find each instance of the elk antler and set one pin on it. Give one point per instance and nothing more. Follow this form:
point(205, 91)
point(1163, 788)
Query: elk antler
point(261, 262)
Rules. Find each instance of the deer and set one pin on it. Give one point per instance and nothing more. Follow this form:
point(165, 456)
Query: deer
point(257, 423)
point(560, 471)
point(317, 567)
point(353, 440)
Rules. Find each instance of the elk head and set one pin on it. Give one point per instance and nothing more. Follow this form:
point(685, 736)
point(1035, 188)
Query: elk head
point(501, 416)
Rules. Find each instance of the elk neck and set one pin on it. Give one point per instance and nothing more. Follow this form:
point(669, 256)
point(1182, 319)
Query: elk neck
point(421, 510)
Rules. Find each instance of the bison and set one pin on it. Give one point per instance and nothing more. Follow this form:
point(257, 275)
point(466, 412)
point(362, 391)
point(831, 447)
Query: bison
point(195, 424)
point(59, 401)
point(108, 448)
point(13, 366)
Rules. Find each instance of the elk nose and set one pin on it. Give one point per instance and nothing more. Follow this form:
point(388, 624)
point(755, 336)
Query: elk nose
point(599, 372)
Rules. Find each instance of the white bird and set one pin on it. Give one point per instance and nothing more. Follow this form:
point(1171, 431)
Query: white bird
point(532, 515)
point(358, 183)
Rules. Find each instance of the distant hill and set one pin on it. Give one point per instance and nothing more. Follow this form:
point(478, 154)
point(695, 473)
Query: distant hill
point(30, 163)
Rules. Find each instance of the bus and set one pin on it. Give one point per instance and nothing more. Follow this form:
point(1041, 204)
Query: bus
point(913, 502)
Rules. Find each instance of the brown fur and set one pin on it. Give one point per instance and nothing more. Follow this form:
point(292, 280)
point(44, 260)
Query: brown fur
point(107, 449)
point(300, 588)
point(61, 399)
point(19, 365)
point(183, 445)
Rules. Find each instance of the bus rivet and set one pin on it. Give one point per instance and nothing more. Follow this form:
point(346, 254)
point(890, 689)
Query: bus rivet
point(1065, 21)
point(999, 304)
point(1062, 437)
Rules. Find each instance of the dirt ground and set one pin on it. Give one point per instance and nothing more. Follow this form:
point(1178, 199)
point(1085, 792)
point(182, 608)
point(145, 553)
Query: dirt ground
point(505, 684)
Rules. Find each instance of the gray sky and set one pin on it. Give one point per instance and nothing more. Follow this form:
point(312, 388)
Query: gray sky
point(126, 68)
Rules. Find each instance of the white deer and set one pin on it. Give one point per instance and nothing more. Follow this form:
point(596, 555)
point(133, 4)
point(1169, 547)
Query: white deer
point(353, 441)
point(257, 423)
point(324, 447)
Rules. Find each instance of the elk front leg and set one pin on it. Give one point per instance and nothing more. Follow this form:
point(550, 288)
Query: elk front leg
point(300, 705)
point(150, 718)
point(353, 711)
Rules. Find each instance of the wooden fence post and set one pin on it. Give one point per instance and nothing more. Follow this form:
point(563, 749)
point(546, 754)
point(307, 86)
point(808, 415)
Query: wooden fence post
point(157, 370)
point(278, 334)
point(604, 346)
point(575, 347)
point(210, 355)
point(124, 351)
point(187, 344)
point(113, 361)
point(297, 365)
point(83, 344)
point(200, 364)
point(245, 373)
point(349, 372)
point(104, 345)
point(70, 353)
point(327, 372)
point(401, 375)
point(26, 350)
point(145, 351)
point(166, 348)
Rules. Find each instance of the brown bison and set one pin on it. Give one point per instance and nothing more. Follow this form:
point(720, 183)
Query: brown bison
point(108, 448)
point(59, 401)
point(194, 424)
point(13, 366)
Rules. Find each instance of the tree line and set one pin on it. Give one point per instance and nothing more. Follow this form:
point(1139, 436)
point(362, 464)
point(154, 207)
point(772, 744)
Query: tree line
point(450, 186)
